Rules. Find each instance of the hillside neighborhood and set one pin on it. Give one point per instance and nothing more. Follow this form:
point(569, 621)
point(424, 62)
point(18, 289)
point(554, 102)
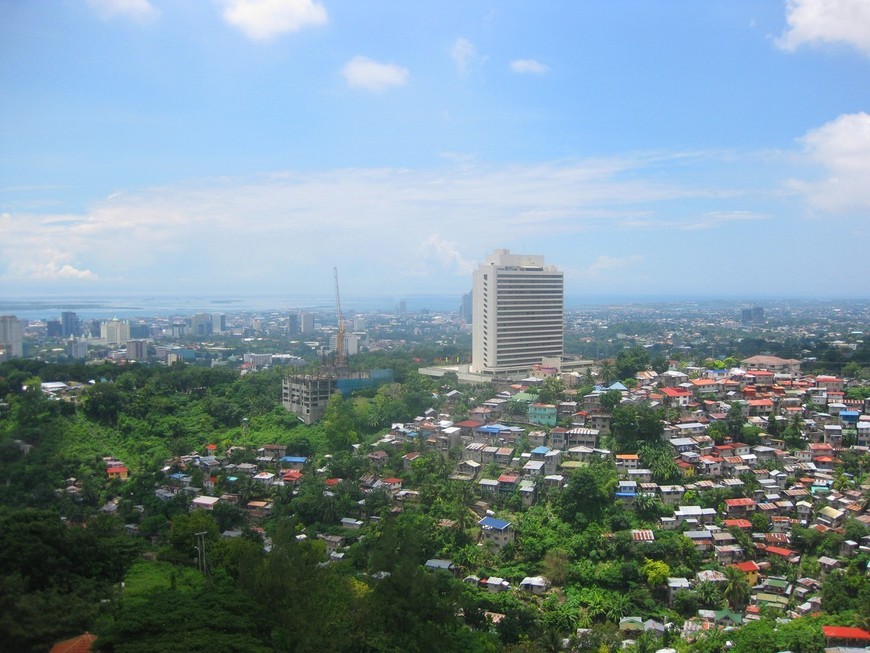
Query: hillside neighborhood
point(756, 509)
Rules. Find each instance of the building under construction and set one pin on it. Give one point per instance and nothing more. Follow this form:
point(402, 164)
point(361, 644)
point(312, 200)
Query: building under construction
point(307, 394)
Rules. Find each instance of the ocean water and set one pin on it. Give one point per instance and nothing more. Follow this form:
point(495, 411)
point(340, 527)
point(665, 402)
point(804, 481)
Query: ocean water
point(91, 307)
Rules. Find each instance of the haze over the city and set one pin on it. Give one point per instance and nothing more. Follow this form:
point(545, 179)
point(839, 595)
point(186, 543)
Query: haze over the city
point(246, 147)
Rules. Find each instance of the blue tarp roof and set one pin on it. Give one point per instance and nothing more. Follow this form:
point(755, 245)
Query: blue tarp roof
point(540, 450)
point(492, 522)
point(294, 459)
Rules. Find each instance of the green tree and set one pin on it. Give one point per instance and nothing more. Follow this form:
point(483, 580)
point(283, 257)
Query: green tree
point(212, 618)
point(54, 577)
point(610, 400)
point(736, 588)
point(655, 571)
point(635, 424)
point(551, 390)
point(339, 424)
point(556, 566)
point(606, 372)
point(735, 420)
point(802, 635)
point(631, 361)
point(686, 602)
point(589, 491)
point(756, 637)
point(709, 595)
point(104, 403)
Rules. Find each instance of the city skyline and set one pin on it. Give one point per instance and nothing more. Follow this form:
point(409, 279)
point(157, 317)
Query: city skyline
point(246, 147)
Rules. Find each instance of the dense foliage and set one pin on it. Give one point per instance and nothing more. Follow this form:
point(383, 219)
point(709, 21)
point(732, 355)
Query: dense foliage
point(63, 554)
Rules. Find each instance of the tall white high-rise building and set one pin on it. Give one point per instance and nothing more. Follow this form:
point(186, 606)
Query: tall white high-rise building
point(518, 313)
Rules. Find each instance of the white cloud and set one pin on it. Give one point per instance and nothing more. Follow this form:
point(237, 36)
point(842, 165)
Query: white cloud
point(605, 264)
point(446, 255)
point(139, 10)
point(528, 66)
point(827, 21)
point(362, 72)
point(463, 53)
point(262, 20)
point(842, 148)
point(423, 228)
point(54, 270)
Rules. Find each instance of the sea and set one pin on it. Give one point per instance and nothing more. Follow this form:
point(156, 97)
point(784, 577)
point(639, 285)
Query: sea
point(49, 307)
point(95, 307)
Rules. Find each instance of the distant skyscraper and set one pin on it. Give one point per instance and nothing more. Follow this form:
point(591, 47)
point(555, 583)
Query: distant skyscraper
point(77, 349)
point(11, 336)
point(753, 315)
point(293, 324)
point(351, 343)
point(54, 329)
point(137, 350)
point(70, 322)
point(306, 322)
point(518, 313)
point(403, 307)
point(115, 331)
point(758, 315)
point(466, 311)
point(218, 322)
point(139, 330)
point(200, 325)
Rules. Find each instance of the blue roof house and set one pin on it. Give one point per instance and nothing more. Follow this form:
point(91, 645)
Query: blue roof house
point(496, 532)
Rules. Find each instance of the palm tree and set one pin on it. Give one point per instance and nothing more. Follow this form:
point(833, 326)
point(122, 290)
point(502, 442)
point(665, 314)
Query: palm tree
point(596, 604)
point(618, 607)
point(550, 641)
point(645, 504)
point(709, 595)
point(736, 590)
point(606, 372)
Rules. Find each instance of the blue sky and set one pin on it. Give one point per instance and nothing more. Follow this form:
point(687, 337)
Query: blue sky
point(716, 148)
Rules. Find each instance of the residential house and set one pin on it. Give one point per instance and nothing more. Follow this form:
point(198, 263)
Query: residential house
point(438, 564)
point(739, 507)
point(535, 584)
point(204, 502)
point(671, 495)
point(626, 491)
point(496, 532)
point(830, 517)
point(543, 414)
point(676, 397)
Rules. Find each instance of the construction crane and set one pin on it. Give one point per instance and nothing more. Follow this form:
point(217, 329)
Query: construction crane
point(340, 354)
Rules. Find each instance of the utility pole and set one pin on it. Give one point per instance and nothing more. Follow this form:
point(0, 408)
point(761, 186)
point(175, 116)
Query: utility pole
point(201, 564)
